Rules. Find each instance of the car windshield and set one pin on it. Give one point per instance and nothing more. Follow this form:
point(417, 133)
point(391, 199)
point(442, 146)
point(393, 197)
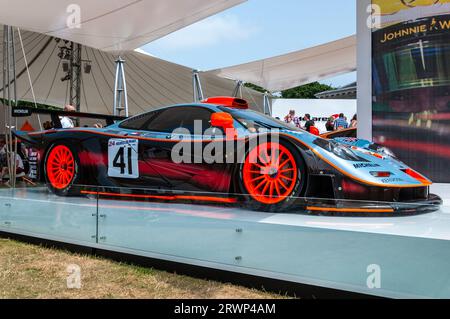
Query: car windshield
point(256, 121)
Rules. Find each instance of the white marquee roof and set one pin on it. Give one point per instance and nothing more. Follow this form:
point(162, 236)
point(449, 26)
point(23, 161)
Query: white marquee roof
point(151, 82)
point(297, 68)
point(110, 25)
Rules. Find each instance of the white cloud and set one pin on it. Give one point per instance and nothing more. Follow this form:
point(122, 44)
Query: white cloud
point(207, 32)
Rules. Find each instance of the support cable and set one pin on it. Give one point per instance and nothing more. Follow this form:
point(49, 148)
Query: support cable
point(29, 77)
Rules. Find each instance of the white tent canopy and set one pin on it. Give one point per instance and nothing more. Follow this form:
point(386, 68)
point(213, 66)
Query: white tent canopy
point(297, 68)
point(118, 25)
point(151, 82)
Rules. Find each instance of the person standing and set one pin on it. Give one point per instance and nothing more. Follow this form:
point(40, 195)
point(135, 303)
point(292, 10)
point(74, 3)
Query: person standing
point(341, 123)
point(308, 122)
point(67, 122)
point(290, 117)
point(354, 122)
point(330, 124)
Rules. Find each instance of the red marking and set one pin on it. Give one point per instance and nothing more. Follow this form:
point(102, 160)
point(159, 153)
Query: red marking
point(376, 155)
point(415, 175)
point(60, 167)
point(166, 197)
point(93, 159)
point(381, 174)
point(227, 101)
point(314, 130)
point(270, 178)
point(198, 174)
point(353, 188)
point(349, 210)
point(134, 137)
point(434, 117)
point(226, 122)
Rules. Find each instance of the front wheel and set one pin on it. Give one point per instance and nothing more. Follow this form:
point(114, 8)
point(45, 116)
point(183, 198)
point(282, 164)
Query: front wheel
point(273, 176)
point(61, 170)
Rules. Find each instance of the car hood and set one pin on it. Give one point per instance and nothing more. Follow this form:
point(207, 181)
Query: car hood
point(401, 175)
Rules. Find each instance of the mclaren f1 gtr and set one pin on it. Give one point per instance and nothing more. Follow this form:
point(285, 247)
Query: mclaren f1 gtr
point(220, 151)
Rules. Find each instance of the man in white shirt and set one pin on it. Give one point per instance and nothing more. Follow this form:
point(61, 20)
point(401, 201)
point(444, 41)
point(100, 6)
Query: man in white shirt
point(66, 122)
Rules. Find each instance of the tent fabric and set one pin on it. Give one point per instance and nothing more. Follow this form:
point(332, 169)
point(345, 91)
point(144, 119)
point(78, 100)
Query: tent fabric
point(118, 25)
point(151, 82)
point(297, 68)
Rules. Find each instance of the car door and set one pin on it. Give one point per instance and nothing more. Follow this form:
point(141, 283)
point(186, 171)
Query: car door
point(171, 152)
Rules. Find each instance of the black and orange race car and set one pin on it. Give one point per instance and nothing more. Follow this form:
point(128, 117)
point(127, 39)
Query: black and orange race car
point(237, 156)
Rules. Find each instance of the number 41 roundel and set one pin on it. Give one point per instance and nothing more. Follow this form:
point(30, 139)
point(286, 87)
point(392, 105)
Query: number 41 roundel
point(123, 158)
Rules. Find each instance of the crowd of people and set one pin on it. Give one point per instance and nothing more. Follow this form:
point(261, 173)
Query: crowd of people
point(25, 156)
point(19, 158)
point(334, 123)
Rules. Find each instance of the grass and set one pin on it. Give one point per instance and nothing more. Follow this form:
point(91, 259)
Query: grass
point(29, 271)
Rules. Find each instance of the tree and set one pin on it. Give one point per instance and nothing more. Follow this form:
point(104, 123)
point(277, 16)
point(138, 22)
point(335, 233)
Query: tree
point(255, 87)
point(307, 91)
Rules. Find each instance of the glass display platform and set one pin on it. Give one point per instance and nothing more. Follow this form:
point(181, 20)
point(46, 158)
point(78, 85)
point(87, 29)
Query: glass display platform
point(395, 257)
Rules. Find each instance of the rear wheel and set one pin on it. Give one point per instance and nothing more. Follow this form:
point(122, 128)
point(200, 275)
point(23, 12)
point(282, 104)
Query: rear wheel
point(61, 170)
point(273, 175)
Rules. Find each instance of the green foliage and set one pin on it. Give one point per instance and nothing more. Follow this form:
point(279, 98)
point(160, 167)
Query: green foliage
point(31, 104)
point(255, 87)
point(307, 91)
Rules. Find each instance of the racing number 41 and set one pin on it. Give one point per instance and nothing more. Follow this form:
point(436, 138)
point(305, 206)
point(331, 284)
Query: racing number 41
point(123, 158)
point(119, 161)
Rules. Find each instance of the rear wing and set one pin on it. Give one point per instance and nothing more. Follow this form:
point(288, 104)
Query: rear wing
point(56, 114)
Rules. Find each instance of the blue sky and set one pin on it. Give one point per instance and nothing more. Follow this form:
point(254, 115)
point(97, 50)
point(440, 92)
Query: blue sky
point(259, 29)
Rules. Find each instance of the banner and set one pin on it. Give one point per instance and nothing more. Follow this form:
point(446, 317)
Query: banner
point(411, 83)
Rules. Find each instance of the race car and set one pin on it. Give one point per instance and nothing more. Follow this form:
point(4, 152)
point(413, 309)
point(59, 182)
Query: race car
point(220, 151)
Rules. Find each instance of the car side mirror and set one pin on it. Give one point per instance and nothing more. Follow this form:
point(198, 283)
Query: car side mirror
point(223, 120)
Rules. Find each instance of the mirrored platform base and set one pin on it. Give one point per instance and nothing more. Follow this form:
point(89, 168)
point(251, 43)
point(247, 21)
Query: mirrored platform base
point(382, 256)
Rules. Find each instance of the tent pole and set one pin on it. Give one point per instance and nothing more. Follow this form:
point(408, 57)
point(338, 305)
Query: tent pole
point(124, 83)
point(14, 162)
point(5, 43)
point(120, 88)
point(238, 89)
point(29, 76)
point(9, 74)
point(267, 105)
point(75, 76)
point(197, 87)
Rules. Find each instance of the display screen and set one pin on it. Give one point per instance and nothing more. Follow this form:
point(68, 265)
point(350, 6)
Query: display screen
point(411, 83)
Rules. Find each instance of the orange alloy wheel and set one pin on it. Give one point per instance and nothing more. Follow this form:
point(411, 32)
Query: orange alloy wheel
point(60, 167)
point(270, 173)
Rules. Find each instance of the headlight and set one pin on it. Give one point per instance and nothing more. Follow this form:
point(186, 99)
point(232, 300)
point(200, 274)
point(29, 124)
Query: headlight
point(344, 152)
point(386, 151)
point(339, 150)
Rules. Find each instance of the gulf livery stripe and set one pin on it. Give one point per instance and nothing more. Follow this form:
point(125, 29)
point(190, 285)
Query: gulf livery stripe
point(134, 137)
point(352, 176)
point(166, 197)
point(281, 134)
point(349, 210)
